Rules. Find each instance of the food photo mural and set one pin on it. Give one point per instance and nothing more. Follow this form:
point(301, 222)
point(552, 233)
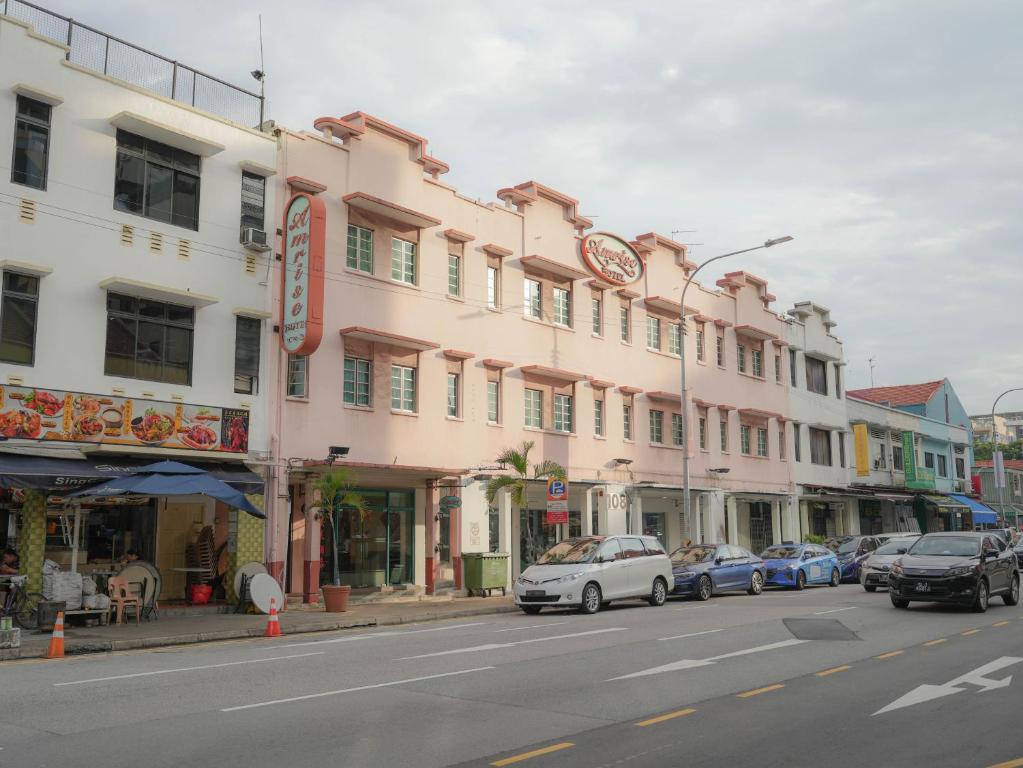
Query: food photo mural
point(28, 413)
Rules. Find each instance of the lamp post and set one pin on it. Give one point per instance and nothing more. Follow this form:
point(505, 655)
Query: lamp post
point(686, 506)
point(995, 454)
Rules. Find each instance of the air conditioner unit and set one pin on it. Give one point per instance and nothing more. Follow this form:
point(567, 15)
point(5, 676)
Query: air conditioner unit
point(254, 239)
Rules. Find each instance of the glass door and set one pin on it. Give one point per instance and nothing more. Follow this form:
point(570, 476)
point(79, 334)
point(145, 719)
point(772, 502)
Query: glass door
point(400, 521)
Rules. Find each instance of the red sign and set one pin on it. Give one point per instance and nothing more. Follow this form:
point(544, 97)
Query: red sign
point(305, 220)
point(612, 259)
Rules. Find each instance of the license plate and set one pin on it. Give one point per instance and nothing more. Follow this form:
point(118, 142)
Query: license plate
point(922, 586)
point(535, 592)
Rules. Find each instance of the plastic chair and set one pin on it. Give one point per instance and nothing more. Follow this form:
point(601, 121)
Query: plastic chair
point(122, 597)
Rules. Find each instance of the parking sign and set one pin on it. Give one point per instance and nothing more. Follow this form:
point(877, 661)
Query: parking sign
point(557, 501)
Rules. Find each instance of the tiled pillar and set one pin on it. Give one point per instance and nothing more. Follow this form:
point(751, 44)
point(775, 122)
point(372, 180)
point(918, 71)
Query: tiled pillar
point(32, 544)
point(244, 543)
point(432, 509)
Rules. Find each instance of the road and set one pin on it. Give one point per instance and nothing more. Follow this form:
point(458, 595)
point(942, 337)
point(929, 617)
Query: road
point(781, 679)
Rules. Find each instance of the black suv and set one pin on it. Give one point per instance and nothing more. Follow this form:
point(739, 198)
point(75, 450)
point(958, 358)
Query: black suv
point(964, 567)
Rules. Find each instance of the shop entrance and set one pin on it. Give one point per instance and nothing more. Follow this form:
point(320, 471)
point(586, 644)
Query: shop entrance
point(535, 536)
point(761, 535)
point(375, 547)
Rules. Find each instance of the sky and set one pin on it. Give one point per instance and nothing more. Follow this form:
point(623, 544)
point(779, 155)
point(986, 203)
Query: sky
point(884, 136)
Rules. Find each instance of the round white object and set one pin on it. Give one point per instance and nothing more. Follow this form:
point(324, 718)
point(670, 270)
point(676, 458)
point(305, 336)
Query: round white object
point(250, 570)
point(157, 579)
point(262, 588)
point(139, 574)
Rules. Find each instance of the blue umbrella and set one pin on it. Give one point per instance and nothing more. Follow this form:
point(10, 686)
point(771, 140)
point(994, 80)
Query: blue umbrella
point(170, 478)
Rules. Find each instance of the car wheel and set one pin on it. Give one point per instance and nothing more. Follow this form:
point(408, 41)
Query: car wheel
point(590, 598)
point(756, 583)
point(800, 579)
point(898, 602)
point(658, 593)
point(1012, 596)
point(704, 589)
point(532, 610)
point(870, 587)
point(981, 600)
point(836, 578)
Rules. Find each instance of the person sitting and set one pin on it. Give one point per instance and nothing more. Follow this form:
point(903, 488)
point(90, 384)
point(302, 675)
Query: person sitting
point(9, 564)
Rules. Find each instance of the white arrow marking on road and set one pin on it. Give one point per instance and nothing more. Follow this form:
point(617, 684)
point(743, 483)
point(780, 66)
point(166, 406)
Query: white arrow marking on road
point(692, 634)
point(691, 663)
point(495, 646)
point(927, 692)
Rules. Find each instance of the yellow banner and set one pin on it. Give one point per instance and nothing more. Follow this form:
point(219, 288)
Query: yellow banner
point(862, 451)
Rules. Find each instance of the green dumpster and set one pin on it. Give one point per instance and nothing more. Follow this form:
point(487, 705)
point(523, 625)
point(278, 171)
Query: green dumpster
point(485, 571)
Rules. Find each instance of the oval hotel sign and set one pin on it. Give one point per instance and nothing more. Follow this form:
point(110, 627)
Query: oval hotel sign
point(302, 276)
point(612, 259)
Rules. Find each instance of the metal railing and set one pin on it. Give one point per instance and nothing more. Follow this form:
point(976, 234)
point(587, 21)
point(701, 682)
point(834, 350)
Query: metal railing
point(117, 58)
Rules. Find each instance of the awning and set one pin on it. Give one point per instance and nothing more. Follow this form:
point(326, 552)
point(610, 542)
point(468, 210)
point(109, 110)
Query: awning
point(982, 513)
point(58, 475)
point(946, 503)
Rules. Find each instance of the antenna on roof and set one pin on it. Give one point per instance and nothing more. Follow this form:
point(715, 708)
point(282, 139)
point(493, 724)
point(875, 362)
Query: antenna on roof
point(870, 361)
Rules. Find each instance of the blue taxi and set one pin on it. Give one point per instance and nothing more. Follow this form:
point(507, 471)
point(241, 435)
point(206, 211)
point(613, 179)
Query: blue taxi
point(796, 565)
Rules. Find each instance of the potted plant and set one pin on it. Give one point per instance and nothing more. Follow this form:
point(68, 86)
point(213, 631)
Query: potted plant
point(336, 494)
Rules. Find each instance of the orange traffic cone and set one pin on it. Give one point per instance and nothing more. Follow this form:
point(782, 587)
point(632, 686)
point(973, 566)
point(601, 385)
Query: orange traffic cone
point(273, 624)
point(56, 649)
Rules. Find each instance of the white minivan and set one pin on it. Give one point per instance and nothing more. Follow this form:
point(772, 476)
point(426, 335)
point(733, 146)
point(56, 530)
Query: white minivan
point(588, 572)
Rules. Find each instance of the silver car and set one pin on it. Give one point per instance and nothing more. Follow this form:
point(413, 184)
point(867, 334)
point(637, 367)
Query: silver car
point(874, 570)
point(588, 572)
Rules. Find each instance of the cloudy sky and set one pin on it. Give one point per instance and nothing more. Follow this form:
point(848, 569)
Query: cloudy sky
point(885, 136)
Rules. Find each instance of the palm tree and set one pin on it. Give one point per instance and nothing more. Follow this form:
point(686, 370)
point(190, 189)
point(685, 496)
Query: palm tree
point(336, 494)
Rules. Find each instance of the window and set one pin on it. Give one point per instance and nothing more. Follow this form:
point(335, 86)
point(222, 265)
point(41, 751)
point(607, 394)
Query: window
point(454, 274)
point(656, 426)
point(156, 181)
point(562, 413)
point(838, 381)
point(598, 417)
point(625, 323)
point(723, 430)
point(31, 143)
point(816, 375)
point(360, 249)
point(721, 349)
point(653, 332)
point(531, 297)
point(627, 421)
point(703, 432)
point(961, 472)
point(677, 433)
point(777, 368)
point(761, 442)
point(562, 307)
point(701, 345)
point(358, 374)
point(674, 339)
point(797, 448)
point(148, 339)
point(597, 307)
point(740, 354)
point(792, 368)
point(18, 308)
point(841, 449)
point(534, 408)
point(820, 446)
point(758, 363)
point(493, 401)
point(928, 460)
point(897, 458)
point(744, 439)
point(253, 201)
point(453, 394)
point(403, 388)
point(492, 287)
point(403, 261)
point(882, 458)
point(942, 465)
point(781, 442)
point(298, 376)
point(246, 355)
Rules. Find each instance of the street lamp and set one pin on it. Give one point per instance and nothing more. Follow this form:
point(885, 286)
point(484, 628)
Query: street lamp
point(995, 454)
point(686, 506)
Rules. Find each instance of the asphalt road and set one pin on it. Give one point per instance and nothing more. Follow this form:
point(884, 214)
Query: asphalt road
point(826, 676)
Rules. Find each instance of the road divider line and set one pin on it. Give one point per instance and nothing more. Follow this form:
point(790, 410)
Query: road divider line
point(692, 634)
point(374, 635)
point(187, 669)
point(758, 691)
point(999, 624)
point(969, 632)
point(890, 655)
point(835, 610)
point(497, 646)
point(833, 670)
point(355, 689)
point(664, 718)
point(939, 641)
point(535, 753)
point(1009, 764)
point(532, 626)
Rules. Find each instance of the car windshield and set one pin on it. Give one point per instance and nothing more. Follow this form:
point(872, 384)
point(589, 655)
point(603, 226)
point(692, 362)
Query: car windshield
point(946, 546)
point(570, 551)
point(692, 555)
point(781, 553)
point(842, 546)
point(893, 546)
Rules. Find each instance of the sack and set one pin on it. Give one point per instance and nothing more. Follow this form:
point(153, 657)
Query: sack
point(65, 586)
point(89, 587)
point(50, 567)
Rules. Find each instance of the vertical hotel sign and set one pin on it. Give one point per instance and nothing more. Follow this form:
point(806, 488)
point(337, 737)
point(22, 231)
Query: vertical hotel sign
point(862, 451)
point(302, 274)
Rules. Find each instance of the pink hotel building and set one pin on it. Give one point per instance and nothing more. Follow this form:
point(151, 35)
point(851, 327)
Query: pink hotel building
point(454, 328)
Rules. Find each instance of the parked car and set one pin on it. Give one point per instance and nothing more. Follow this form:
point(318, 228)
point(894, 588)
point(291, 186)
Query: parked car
point(1008, 536)
point(589, 572)
point(883, 537)
point(703, 570)
point(851, 551)
point(964, 567)
point(796, 565)
point(1019, 553)
point(874, 569)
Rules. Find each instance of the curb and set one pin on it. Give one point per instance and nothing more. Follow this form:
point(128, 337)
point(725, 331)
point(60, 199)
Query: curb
point(108, 646)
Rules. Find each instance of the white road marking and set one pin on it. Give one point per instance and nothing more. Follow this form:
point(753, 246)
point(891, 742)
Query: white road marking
point(692, 663)
point(532, 626)
point(692, 634)
point(496, 646)
point(694, 607)
point(354, 690)
point(372, 635)
point(835, 610)
point(188, 669)
point(926, 692)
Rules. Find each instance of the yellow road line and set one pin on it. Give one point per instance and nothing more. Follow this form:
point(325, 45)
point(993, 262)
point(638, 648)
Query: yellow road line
point(1009, 764)
point(758, 691)
point(999, 624)
point(833, 670)
point(969, 632)
point(534, 753)
point(890, 655)
point(939, 641)
point(662, 718)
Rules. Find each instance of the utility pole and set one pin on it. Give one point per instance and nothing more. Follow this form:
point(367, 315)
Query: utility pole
point(870, 361)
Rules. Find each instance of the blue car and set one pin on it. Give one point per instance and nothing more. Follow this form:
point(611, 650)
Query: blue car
point(796, 565)
point(851, 551)
point(703, 570)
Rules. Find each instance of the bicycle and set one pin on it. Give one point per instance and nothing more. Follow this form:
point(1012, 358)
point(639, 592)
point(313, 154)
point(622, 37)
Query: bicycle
point(20, 604)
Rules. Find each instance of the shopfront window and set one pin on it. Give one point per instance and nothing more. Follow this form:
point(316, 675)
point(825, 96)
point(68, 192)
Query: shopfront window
point(653, 525)
point(535, 536)
point(375, 547)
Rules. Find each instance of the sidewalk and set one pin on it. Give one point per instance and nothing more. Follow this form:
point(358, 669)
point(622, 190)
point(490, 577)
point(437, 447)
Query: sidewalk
point(198, 629)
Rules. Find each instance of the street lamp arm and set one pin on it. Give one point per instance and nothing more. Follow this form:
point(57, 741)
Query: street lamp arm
point(693, 274)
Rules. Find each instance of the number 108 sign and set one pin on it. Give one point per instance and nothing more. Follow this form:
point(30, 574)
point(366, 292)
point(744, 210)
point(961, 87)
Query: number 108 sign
point(557, 502)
